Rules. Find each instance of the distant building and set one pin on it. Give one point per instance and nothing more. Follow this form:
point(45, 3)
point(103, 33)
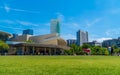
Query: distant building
point(15, 35)
point(111, 42)
point(94, 43)
point(71, 41)
point(28, 32)
point(82, 37)
point(55, 27)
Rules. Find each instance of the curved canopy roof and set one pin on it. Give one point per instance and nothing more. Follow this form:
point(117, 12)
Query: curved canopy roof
point(2, 32)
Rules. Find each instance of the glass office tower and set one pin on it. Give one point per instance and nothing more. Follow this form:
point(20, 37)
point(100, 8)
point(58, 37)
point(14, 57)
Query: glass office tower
point(82, 37)
point(55, 27)
point(28, 32)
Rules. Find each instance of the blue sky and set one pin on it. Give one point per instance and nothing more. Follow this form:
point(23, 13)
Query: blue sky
point(101, 18)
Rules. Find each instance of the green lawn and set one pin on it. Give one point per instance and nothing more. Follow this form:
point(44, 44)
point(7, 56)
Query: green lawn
point(59, 65)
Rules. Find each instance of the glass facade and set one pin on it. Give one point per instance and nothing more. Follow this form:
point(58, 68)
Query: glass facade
point(111, 42)
point(71, 41)
point(28, 32)
point(55, 27)
point(82, 37)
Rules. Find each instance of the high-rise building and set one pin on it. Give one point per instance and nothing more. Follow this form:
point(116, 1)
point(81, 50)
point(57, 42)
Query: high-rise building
point(28, 32)
point(71, 41)
point(55, 27)
point(82, 37)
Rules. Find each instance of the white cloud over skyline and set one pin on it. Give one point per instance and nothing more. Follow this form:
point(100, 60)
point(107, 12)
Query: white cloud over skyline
point(92, 18)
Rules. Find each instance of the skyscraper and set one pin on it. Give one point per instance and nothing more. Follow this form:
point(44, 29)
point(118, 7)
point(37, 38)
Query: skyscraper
point(82, 37)
point(55, 26)
point(28, 32)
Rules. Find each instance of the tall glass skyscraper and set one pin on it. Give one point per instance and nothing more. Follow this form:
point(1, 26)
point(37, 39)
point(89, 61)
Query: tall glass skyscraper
point(82, 37)
point(55, 26)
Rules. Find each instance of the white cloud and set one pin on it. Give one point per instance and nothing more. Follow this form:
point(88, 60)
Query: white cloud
point(7, 21)
point(115, 11)
point(95, 37)
point(11, 27)
point(27, 23)
point(11, 24)
point(75, 25)
point(27, 11)
point(71, 25)
point(68, 36)
point(8, 9)
point(60, 16)
point(46, 24)
point(93, 22)
point(100, 39)
point(113, 32)
point(41, 31)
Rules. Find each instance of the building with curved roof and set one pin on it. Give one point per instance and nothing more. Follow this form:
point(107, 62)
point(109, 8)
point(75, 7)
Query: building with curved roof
point(4, 35)
point(49, 44)
point(48, 39)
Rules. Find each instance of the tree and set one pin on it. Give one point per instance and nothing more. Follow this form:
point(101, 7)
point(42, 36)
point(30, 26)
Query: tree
point(96, 50)
point(68, 52)
point(79, 51)
point(86, 46)
point(3, 47)
point(74, 49)
point(105, 51)
point(115, 49)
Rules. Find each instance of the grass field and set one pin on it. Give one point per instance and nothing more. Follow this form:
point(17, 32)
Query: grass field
point(59, 65)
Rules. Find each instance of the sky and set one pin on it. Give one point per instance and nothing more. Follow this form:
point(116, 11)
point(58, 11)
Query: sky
point(101, 18)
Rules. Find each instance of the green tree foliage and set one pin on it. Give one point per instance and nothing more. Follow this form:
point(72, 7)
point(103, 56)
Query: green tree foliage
point(68, 52)
point(106, 52)
point(114, 47)
point(75, 50)
point(86, 46)
point(3, 47)
point(95, 50)
point(79, 51)
point(116, 50)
